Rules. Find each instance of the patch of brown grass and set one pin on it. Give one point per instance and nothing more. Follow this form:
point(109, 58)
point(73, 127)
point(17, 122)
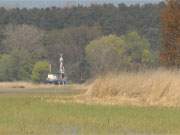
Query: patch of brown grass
point(22, 85)
point(160, 88)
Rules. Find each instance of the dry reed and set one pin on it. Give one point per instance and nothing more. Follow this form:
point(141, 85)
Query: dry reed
point(161, 88)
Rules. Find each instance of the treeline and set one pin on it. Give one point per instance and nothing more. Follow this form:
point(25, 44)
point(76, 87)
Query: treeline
point(32, 35)
point(117, 20)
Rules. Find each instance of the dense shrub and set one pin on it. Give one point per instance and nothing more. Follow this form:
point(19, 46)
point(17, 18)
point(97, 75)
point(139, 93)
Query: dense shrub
point(40, 71)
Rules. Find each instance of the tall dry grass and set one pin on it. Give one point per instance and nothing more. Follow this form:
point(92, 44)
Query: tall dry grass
point(160, 87)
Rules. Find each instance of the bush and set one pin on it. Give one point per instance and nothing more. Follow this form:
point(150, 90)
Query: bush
point(40, 71)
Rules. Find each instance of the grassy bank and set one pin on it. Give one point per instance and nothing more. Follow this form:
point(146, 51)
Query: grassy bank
point(31, 116)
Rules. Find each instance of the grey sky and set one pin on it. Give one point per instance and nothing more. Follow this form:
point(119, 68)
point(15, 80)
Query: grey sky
point(61, 3)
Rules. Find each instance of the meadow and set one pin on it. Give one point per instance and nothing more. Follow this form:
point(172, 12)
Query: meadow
point(33, 115)
point(116, 104)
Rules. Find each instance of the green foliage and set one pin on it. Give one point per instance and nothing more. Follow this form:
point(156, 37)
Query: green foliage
point(40, 71)
point(103, 54)
point(15, 67)
point(114, 53)
point(23, 47)
point(22, 64)
point(137, 49)
point(6, 68)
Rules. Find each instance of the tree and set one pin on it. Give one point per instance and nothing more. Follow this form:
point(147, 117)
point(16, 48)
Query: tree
point(104, 54)
point(137, 50)
point(170, 54)
point(13, 67)
point(6, 68)
point(40, 71)
point(113, 53)
point(24, 45)
point(24, 38)
point(22, 64)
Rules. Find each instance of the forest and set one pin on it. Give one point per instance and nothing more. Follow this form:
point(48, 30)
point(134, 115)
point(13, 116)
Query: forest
point(93, 40)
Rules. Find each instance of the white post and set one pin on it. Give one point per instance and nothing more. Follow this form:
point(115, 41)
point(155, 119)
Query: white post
point(49, 68)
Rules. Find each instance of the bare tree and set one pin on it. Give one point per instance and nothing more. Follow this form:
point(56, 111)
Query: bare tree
point(24, 38)
point(24, 44)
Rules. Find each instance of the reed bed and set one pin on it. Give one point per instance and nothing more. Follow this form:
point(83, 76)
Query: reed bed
point(159, 87)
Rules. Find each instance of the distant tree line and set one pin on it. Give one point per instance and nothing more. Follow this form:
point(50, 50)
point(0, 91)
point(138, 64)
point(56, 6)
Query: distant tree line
point(112, 19)
point(29, 37)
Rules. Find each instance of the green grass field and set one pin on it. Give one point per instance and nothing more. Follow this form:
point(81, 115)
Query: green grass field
point(28, 115)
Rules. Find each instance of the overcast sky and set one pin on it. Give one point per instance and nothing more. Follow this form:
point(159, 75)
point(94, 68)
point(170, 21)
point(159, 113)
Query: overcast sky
point(61, 3)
